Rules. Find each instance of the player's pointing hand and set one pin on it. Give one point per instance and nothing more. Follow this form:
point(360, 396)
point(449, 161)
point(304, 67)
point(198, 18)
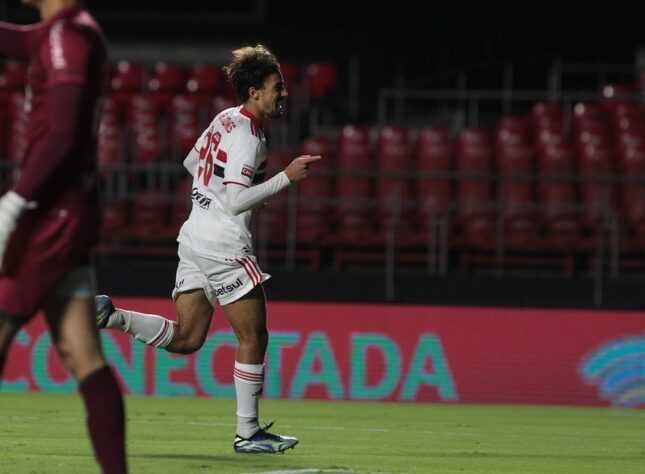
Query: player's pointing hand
point(299, 168)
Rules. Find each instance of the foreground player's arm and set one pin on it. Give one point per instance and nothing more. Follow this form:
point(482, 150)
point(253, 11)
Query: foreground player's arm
point(65, 87)
point(242, 198)
point(16, 40)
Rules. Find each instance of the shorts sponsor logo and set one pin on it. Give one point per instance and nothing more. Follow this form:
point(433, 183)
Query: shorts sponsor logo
point(201, 200)
point(228, 287)
point(248, 171)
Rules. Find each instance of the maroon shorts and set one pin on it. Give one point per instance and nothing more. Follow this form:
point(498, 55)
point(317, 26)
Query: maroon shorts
point(41, 253)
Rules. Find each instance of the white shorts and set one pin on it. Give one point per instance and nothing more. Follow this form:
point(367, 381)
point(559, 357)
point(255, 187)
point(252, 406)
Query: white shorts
point(79, 283)
point(222, 279)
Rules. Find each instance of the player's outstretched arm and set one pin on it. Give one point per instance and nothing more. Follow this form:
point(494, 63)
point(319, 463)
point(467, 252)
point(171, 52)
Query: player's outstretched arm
point(241, 198)
point(16, 40)
point(299, 168)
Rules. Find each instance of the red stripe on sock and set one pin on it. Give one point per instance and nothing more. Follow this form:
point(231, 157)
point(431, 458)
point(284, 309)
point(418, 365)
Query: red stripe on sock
point(248, 376)
point(162, 334)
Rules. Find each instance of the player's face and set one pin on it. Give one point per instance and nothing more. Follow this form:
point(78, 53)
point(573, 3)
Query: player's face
point(273, 93)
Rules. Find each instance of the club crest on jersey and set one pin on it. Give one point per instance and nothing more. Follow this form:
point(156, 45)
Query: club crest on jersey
point(248, 171)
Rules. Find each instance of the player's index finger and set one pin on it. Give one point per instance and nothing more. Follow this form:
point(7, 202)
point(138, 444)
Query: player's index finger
point(309, 159)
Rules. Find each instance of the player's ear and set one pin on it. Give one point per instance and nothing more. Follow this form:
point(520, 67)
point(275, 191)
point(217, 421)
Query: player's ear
point(254, 93)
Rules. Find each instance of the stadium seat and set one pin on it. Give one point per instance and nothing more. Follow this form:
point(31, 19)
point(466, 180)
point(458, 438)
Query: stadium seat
point(596, 170)
point(204, 79)
point(273, 219)
point(314, 193)
point(109, 141)
point(167, 78)
point(290, 75)
point(394, 160)
point(556, 158)
point(434, 154)
point(322, 77)
point(353, 189)
point(128, 78)
point(552, 110)
point(114, 221)
point(149, 218)
point(220, 103)
point(559, 217)
point(185, 124)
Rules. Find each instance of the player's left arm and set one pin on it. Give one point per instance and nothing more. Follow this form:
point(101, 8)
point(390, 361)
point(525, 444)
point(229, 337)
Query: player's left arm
point(63, 100)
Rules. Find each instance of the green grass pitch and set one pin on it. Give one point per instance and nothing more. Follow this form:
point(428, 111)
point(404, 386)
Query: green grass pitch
point(46, 434)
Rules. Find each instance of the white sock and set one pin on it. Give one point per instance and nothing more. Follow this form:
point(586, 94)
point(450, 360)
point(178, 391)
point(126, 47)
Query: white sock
point(249, 379)
point(149, 328)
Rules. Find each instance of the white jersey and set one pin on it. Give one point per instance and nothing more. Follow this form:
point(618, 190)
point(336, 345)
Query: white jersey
point(231, 153)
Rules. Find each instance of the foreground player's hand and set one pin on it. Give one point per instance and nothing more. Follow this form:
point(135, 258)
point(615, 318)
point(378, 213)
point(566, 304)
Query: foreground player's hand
point(299, 168)
point(11, 206)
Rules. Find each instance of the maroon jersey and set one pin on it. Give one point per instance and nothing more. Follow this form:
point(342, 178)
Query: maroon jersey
point(69, 48)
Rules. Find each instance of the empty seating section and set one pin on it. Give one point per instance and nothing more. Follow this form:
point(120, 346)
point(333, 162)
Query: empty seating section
point(538, 187)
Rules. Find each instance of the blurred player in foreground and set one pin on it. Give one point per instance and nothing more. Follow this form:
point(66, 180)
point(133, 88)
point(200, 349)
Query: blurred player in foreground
point(48, 221)
point(216, 261)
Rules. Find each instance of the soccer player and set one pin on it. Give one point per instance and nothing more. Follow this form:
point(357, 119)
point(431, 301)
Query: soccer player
point(49, 219)
point(216, 261)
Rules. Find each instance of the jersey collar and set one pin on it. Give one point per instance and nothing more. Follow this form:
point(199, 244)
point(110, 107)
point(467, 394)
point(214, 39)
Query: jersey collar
point(252, 117)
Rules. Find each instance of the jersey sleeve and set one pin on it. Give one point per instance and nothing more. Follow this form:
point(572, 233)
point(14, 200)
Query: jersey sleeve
point(65, 55)
point(242, 160)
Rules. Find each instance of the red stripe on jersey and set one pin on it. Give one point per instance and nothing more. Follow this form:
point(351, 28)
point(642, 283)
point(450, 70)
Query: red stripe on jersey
point(222, 156)
point(235, 182)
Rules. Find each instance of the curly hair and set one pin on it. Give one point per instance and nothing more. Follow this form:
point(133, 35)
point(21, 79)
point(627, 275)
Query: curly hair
point(250, 67)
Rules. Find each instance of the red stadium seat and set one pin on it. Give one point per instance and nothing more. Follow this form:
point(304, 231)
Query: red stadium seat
point(477, 137)
point(552, 110)
point(632, 161)
point(149, 218)
point(314, 193)
point(434, 154)
point(128, 78)
point(220, 103)
point(353, 189)
point(114, 221)
point(273, 219)
point(204, 79)
point(167, 78)
point(394, 157)
point(556, 159)
point(290, 75)
point(549, 136)
point(322, 77)
point(562, 228)
point(596, 168)
point(516, 159)
point(185, 124)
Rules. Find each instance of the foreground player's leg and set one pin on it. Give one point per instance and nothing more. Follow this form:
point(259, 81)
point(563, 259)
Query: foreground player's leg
point(247, 317)
point(8, 330)
point(73, 329)
point(194, 313)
